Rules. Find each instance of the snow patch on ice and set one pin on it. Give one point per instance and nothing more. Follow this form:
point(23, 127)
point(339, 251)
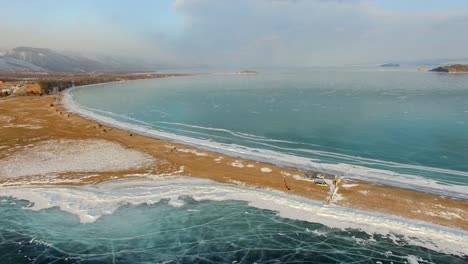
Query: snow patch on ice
point(26, 126)
point(237, 164)
point(237, 182)
point(193, 151)
point(363, 241)
point(349, 185)
point(266, 170)
point(445, 215)
point(295, 176)
point(176, 202)
point(317, 232)
point(364, 192)
point(337, 197)
point(61, 156)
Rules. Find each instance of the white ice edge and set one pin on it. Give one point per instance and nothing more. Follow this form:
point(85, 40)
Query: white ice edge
point(379, 176)
point(90, 202)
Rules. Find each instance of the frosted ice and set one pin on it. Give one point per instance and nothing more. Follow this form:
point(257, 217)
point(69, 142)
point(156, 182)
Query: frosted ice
point(413, 259)
point(92, 201)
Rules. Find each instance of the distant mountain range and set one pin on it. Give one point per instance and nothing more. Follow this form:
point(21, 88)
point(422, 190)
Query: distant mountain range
point(46, 60)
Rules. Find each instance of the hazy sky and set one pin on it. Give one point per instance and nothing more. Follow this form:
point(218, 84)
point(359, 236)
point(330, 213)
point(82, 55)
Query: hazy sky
point(243, 32)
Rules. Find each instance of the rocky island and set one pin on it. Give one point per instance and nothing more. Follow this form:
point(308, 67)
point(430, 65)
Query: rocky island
point(390, 65)
point(247, 72)
point(456, 68)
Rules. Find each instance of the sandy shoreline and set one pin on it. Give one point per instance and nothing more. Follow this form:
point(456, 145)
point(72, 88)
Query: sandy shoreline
point(26, 122)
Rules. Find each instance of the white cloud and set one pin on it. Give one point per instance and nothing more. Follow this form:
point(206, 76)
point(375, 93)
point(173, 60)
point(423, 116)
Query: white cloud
point(317, 32)
point(266, 32)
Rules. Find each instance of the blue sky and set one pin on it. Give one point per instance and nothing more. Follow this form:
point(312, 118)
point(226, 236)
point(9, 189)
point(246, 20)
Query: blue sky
point(243, 32)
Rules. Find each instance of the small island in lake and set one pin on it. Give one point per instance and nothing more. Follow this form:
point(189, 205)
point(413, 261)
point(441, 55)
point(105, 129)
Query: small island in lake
point(452, 68)
point(247, 72)
point(242, 72)
point(390, 65)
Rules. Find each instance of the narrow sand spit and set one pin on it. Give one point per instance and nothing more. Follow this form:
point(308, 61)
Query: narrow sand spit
point(112, 153)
